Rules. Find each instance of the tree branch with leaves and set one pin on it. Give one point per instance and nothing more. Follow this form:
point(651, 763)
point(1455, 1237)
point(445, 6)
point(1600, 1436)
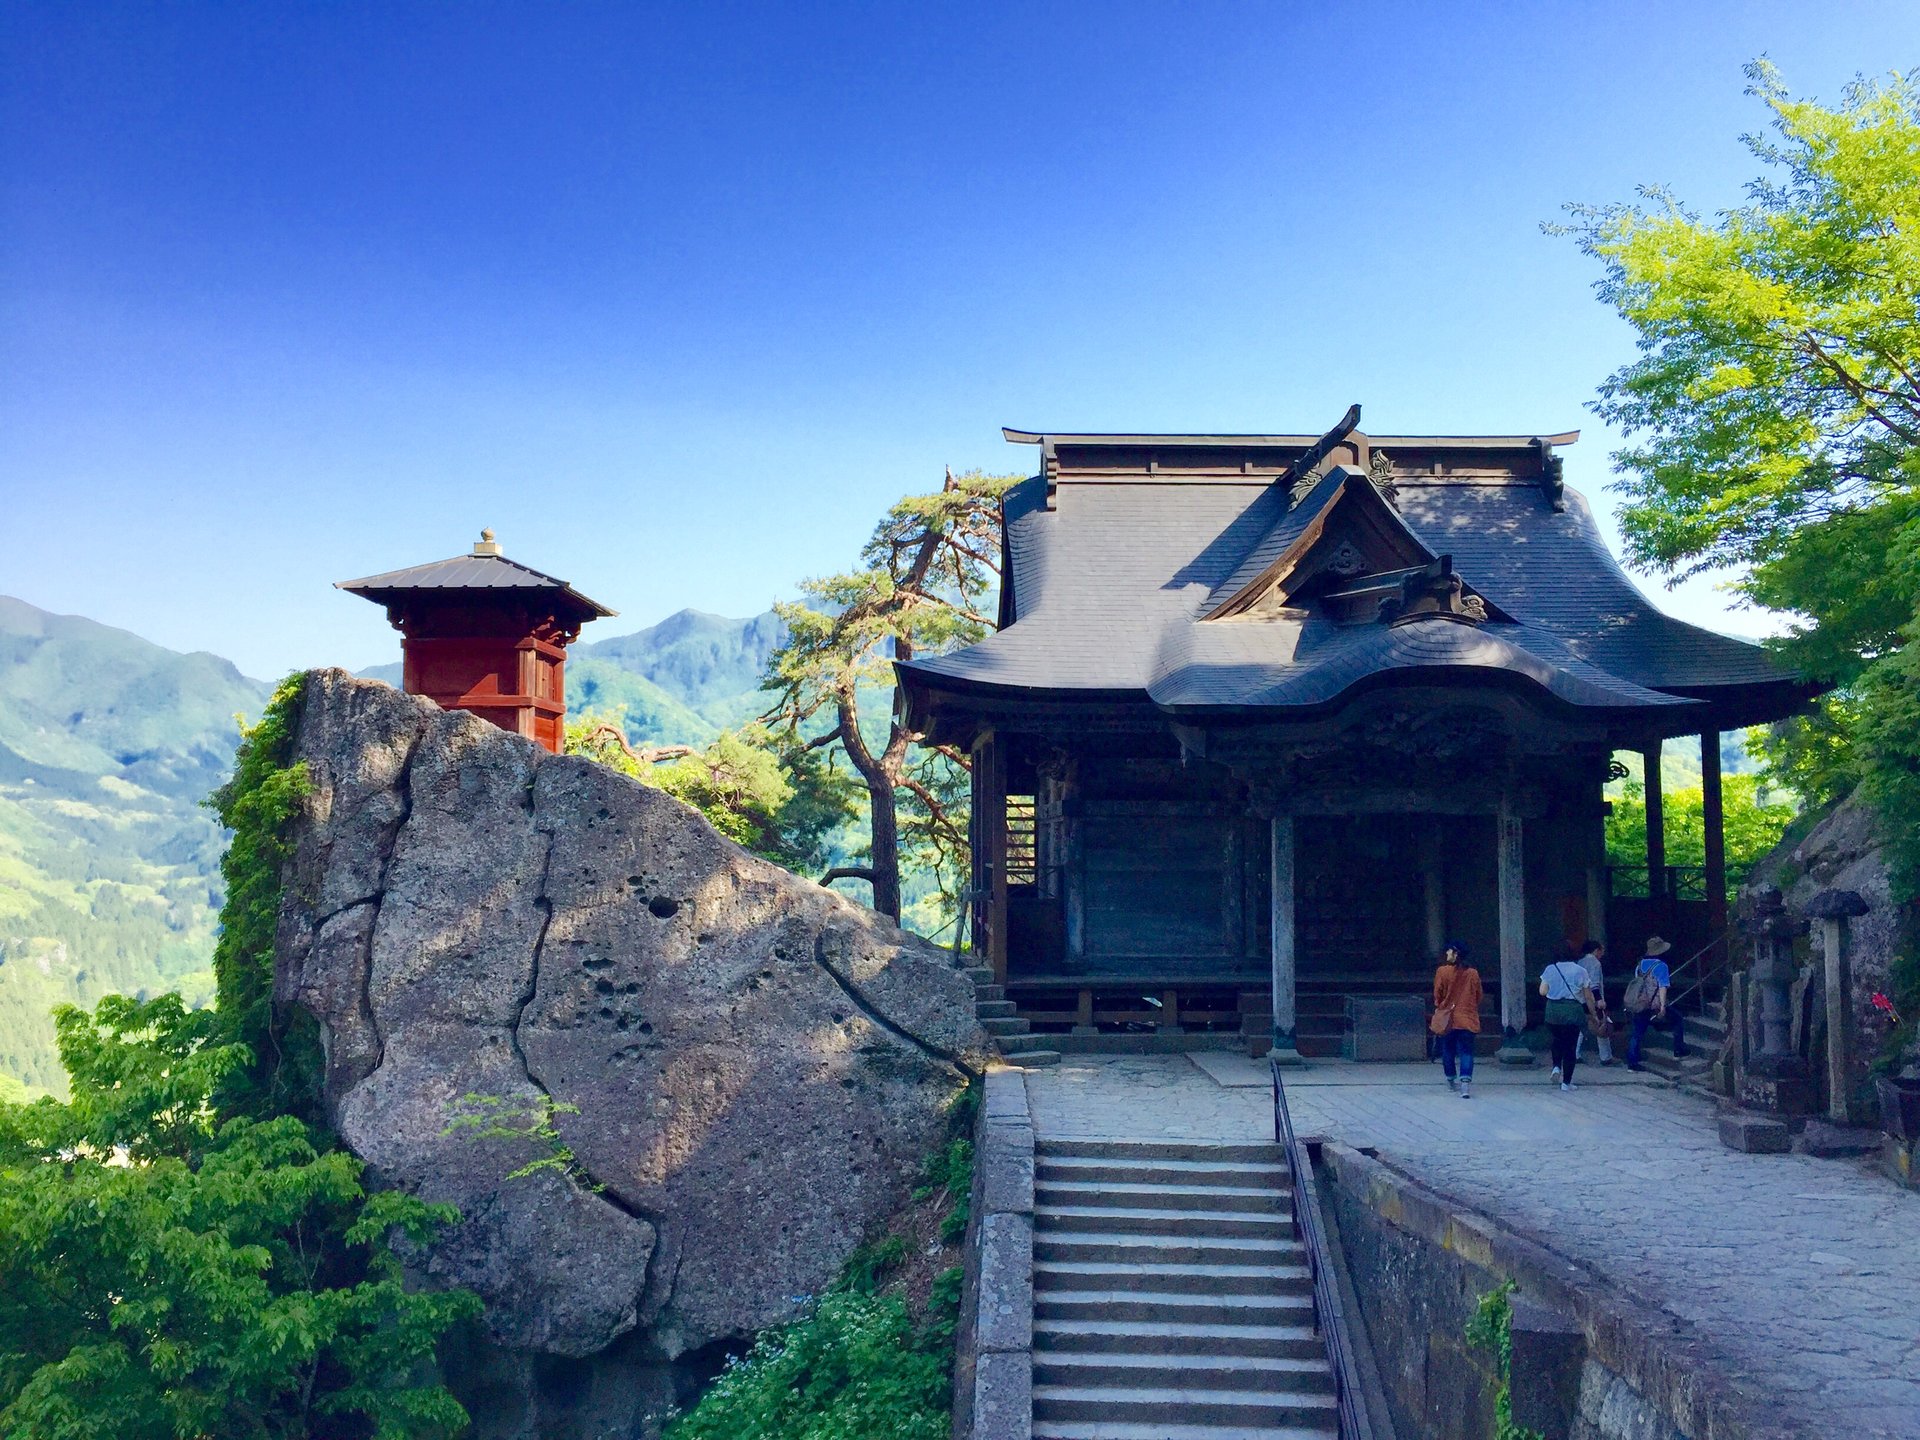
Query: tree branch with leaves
point(926, 579)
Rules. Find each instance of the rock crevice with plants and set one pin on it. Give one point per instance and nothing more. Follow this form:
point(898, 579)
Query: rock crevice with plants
point(670, 1086)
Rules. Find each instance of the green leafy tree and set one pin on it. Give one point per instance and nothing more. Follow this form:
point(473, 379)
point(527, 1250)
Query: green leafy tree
point(1774, 414)
point(1754, 821)
point(184, 1250)
point(777, 800)
point(169, 1269)
point(926, 576)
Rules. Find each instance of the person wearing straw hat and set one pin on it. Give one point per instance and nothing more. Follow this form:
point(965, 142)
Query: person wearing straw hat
point(1646, 1002)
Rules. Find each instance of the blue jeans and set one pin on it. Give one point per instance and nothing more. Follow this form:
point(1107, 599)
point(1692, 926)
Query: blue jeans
point(1645, 1021)
point(1456, 1053)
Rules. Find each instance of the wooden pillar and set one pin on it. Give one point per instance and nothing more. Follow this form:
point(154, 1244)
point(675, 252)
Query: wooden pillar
point(1597, 903)
point(1714, 823)
point(1433, 879)
point(994, 821)
point(1512, 868)
point(1656, 823)
point(1286, 1048)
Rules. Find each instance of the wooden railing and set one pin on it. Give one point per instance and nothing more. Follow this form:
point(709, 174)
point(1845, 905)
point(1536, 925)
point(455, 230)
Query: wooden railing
point(1328, 1317)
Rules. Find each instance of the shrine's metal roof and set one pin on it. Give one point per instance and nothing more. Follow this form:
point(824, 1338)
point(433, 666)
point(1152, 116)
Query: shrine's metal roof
point(485, 569)
point(1115, 584)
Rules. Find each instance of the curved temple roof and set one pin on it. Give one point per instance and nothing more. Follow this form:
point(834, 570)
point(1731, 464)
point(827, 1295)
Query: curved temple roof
point(1213, 589)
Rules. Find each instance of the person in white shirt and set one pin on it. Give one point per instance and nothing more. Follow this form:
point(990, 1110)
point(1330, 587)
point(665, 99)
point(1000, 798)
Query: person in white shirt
point(1591, 954)
point(1569, 996)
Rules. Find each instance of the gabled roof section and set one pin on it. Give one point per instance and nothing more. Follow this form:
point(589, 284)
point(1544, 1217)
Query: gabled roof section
point(485, 570)
point(1342, 526)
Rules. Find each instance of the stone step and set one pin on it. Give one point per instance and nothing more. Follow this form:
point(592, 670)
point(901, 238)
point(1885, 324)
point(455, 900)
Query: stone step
point(1258, 1152)
point(1157, 1337)
point(1107, 1430)
point(1159, 1220)
point(1111, 1196)
point(979, 974)
point(1185, 1372)
point(1153, 1278)
point(1030, 1059)
point(989, 992)
point(1063, 1302)
point(1165, 1406)
point(993, 1009)
point(1121, 1248)
point(1002, 1026)
point(1093, 1170)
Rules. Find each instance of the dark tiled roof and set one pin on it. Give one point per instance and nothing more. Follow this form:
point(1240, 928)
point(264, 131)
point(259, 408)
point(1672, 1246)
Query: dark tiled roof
point(1111, 587)
point(468, 572)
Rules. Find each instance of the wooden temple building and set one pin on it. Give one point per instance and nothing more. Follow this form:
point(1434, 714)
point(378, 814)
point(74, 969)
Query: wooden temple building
point(1267, 719)
point(484, 633)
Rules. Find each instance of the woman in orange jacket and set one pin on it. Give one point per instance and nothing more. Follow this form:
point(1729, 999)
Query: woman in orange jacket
point(1456, 1016)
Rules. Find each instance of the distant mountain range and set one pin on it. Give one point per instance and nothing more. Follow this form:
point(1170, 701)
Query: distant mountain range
point(109, 864)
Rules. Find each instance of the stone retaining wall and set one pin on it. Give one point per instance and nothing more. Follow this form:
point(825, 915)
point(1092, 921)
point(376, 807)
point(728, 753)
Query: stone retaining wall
point(993, 1349)
point(1420, 1264)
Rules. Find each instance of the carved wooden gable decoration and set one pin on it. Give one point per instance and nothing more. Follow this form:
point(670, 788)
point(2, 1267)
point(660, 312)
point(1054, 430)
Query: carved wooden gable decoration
point(1352, 533)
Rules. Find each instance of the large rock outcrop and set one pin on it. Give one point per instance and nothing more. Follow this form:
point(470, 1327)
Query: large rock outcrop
point(758, 1065)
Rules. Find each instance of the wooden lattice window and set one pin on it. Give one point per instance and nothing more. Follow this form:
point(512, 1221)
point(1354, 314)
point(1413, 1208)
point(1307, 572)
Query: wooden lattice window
point(1022, 857)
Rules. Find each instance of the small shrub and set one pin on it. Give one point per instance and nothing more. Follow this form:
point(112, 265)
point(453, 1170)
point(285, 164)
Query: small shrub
point(1491, 1329)
point(854, 1369)
point(870, 1265)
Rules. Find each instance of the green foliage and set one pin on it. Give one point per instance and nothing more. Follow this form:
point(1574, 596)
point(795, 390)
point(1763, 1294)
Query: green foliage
point(950, 1168)
point(1775, 414)
point(1491, 1329)
point(1754, 822)
point(856, 1368)
point(775, 799)
point(489, 1117)
point(169, 1268)
point(868, 1268)
point(259, 804)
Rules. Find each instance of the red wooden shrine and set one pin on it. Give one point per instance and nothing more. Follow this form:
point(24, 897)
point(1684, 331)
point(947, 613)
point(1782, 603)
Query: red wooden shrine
point(487, 634)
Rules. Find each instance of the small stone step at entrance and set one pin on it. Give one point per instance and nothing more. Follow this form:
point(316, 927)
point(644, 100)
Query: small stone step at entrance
point(989, 992)
point(979, 974)
point(1228, 1412)
point(1172, 1299)
point(1004, 1025)
point(994, 1009)
point(1032, 1059)
point(1120, 1430)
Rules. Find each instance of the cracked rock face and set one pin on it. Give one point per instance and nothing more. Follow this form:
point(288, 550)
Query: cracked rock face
point(759, 1065)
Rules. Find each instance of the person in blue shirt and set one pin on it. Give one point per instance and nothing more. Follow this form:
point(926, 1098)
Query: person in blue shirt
point(1647, 1003)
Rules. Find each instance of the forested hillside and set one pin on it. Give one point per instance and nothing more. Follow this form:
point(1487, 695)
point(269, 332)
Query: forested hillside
point(109, 866)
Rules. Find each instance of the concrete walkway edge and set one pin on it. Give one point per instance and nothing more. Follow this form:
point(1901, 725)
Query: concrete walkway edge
point(993, 1351)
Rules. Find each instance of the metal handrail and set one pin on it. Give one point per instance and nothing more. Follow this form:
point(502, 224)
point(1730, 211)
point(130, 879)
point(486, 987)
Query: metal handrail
point(1327, 1317)
point(1676, 995)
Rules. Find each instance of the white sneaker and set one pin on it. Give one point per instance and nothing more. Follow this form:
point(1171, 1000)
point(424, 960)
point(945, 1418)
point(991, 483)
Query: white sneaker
point(1568, 1085)
point(1465, 1092)
point(1452, 1084)
point(1555, 1075)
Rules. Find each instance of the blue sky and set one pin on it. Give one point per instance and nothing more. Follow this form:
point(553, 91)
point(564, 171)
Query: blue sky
point(678, 298)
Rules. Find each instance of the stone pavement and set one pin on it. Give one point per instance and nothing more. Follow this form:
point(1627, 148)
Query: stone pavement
point(1805, 1273)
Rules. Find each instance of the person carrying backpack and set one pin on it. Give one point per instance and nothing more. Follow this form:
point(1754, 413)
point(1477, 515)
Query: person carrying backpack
point(1646, 1003)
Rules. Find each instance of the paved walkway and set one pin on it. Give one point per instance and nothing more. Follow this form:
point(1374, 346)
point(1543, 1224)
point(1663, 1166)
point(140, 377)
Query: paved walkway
point(1806, 1272)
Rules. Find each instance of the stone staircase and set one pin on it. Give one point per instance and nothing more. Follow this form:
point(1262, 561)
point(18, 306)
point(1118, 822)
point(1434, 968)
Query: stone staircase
point(1171, 1299)
point(998, 1016)
point(1706, 1035)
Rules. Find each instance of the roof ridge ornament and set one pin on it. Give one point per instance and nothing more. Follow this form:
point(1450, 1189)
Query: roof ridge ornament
point(1380, 472)
point(486, 545)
